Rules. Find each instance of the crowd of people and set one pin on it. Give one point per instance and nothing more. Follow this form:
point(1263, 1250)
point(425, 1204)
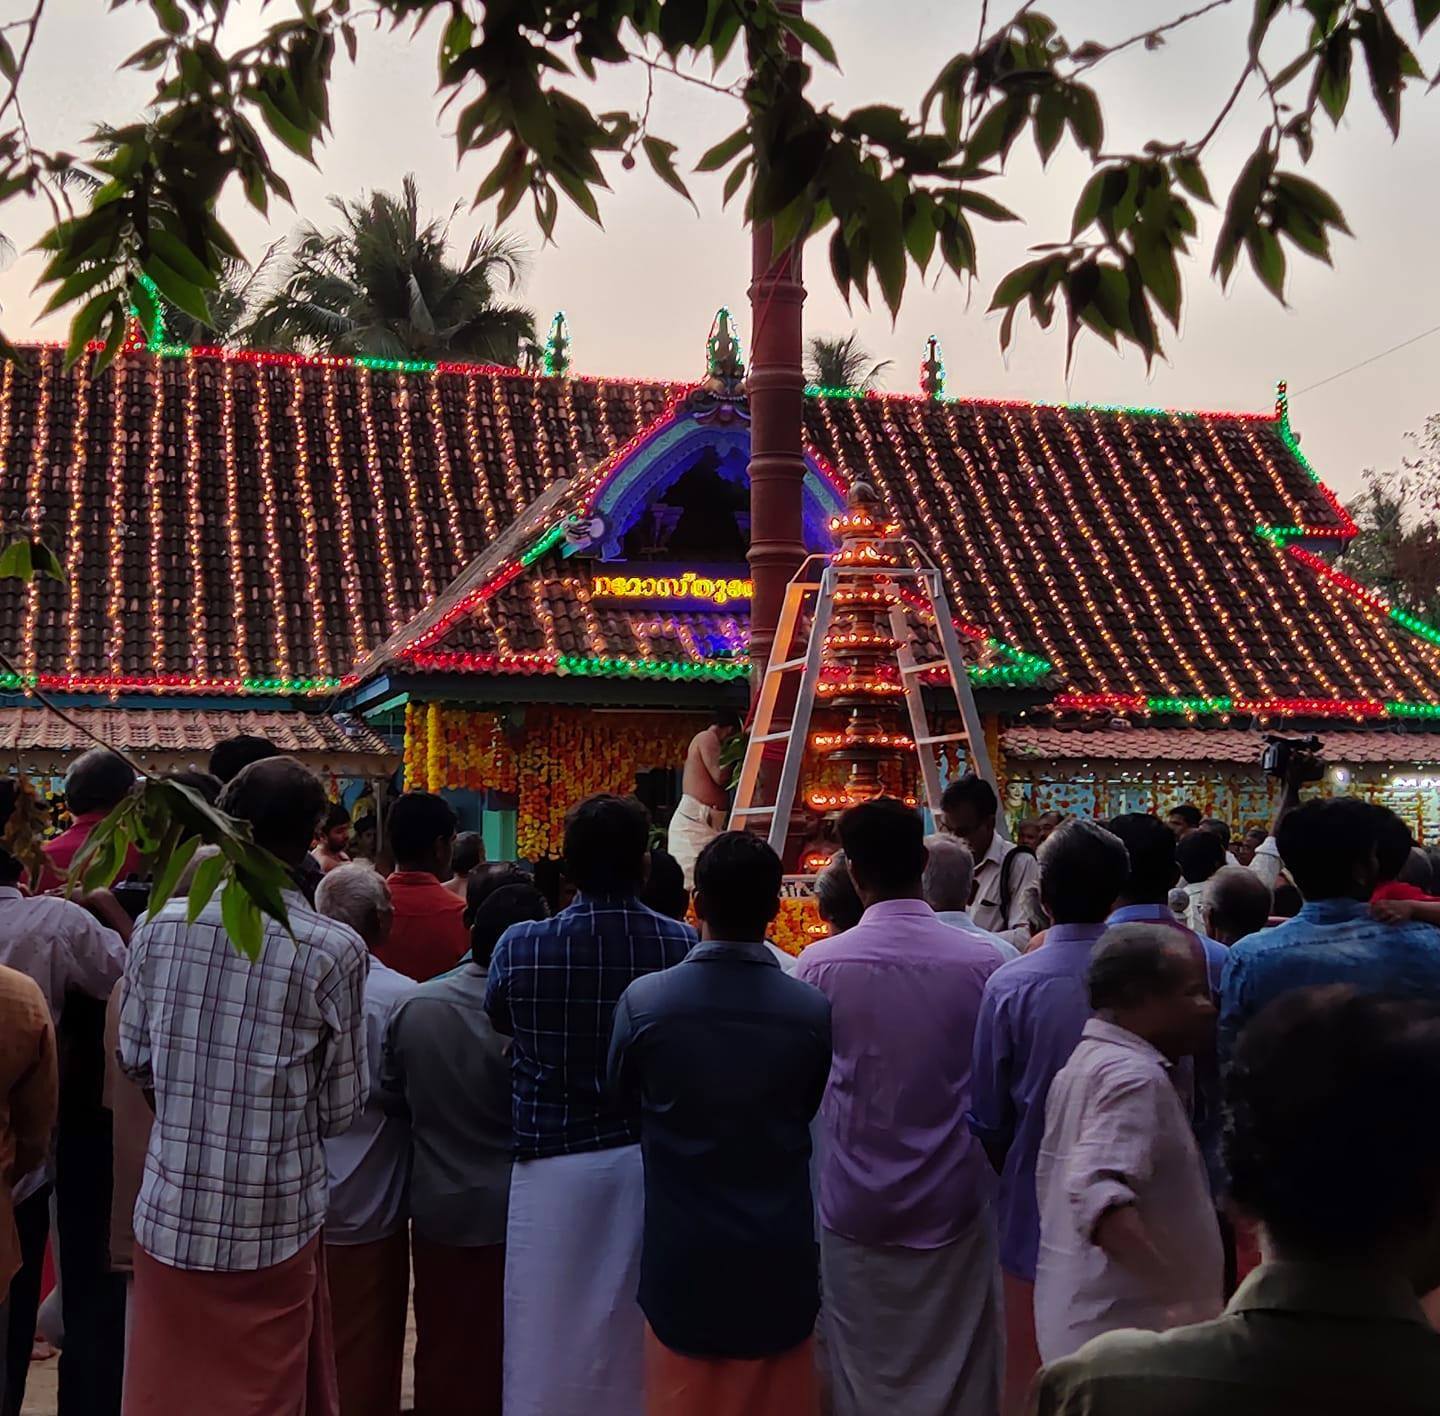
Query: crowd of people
point(1027, 1132)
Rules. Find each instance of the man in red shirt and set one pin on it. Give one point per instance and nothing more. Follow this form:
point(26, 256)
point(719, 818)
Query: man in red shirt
point(428, 936)
point(97, 782)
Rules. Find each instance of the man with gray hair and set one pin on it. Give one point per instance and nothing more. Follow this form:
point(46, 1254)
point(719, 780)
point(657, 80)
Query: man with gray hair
point(1128, 1233)
point(1031, 1018)
point(1238, 904)
point(366, 1224)
point(949, 874)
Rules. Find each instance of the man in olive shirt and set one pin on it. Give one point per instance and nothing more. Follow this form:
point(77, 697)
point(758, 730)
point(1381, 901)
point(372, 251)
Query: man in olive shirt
point(1333, 1145)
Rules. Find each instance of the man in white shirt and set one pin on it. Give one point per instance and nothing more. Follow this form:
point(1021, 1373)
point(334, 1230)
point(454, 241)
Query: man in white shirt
point(1005, 894)
point(949, 877)
point(1128, 1233)
point(367, 1248)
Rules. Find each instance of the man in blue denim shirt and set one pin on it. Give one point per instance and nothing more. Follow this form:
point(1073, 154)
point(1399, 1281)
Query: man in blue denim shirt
point(1328, 848)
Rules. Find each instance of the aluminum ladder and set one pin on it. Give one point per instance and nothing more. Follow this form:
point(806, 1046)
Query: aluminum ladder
point(788, 657)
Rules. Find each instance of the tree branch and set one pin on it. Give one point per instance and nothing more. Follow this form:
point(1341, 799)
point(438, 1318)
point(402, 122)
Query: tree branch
point(13, 97)
point(1145, 36)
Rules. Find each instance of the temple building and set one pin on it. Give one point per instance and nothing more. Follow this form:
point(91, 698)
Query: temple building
point(531, 584)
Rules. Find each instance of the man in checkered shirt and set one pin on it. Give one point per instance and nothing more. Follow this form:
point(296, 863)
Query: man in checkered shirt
point(251, 1065)
point(574, 1333)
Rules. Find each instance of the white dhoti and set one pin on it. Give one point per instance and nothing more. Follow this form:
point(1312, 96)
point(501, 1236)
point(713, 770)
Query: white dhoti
point(914, 1330)
point(693, 826)
point(574, 1332)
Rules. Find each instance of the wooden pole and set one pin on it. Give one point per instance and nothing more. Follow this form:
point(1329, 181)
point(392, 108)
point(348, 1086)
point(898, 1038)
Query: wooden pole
point(776, 389)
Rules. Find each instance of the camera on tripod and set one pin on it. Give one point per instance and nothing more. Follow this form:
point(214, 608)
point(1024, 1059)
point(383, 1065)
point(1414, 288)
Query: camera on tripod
point(1279, 752)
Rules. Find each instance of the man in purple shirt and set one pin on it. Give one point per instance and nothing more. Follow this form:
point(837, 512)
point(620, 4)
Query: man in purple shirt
point(908, 1252)
point(1033, 1013)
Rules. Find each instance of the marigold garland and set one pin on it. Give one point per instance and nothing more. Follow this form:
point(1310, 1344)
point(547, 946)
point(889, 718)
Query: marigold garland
point(561, 756)
point(797, 924)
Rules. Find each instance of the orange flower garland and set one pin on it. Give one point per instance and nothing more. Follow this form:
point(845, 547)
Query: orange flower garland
point(797, 925)
point(563, 755)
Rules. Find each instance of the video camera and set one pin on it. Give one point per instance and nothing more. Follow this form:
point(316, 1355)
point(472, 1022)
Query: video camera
point(1278, 752)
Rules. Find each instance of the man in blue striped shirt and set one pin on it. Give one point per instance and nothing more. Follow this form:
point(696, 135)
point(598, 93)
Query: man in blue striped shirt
point(575, 1333)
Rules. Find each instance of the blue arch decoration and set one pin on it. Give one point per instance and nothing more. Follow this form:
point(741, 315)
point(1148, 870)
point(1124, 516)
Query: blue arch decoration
point(650, 469)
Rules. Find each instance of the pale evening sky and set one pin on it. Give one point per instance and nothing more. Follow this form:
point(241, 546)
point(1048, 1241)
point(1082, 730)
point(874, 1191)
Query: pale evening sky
point(640, 294)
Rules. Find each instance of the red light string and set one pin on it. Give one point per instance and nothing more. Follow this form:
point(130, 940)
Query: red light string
point(199, 650)
point(116, 487)
point(315, 598)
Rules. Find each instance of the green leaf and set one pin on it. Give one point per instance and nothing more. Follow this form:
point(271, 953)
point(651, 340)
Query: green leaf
point(74, 286)
point(180, 258)
point(8, 65)
point(85, 325)
point(1332, 76)
point(1312, 198)
point(1015, 286)
point(1190, 175)
point(176, 289)
point(1426, 13)
point(44, 561)
point(682, 22)
point(579, 192)
point(1088, 206)
point(920, 233)
point(808, 35)
point(986, 208)
point(1050, 113)
point(242, 920)
point(1240, 212)
point(15, 561)
point(172, 18)
point(294, 137)
point(207, 878)
point(1265, 12)
point(713, 159)
point(104, 864)
point(1385, 55)
point(662, 159)
point(995, 132)
point(169, 866)
point(734, 180)
point(1161, 274)
point(1087, 122)
point(1268, 258)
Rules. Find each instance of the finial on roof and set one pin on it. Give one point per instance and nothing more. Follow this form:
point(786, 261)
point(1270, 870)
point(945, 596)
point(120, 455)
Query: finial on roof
point(932, 370)
point(557, 347)
point(1282, 401)
point(724, 364)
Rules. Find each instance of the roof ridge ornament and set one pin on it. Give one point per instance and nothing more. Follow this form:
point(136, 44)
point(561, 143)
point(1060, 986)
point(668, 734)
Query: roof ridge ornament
point(721, 396)
point(557, 347)
point(932, 370)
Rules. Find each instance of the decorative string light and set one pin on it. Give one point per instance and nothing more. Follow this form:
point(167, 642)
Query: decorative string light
point(478, 463)
point(232, 522)
point(199, 656)
point(418, 520)
point(155, 497)
point(116, 486)
point(274, 558)
point(349, 573)
point(75, 483)
point(458, 544)
point(34, 483)
point(514, 486)
point(319, 633)
point(379, 503)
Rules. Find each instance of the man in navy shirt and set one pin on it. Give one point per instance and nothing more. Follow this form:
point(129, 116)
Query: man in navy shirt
point(575, 1339)
point(728, 1058)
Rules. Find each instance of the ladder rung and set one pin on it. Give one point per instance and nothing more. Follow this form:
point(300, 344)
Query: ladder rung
point(943, 737)
point(772, 737)
point(753, 811)
point(786, 666)
point(923, 668)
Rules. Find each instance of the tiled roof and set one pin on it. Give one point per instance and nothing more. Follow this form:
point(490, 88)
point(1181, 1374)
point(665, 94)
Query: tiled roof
point(250, 524)
point(1027, 743)
point(189, 734)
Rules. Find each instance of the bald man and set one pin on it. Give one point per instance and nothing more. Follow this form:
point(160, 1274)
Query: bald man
point(1238, 903)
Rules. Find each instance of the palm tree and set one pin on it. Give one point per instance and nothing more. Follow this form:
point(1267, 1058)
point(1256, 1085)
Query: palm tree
point(383, 283)
point(841, 363)
point(234, 305)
